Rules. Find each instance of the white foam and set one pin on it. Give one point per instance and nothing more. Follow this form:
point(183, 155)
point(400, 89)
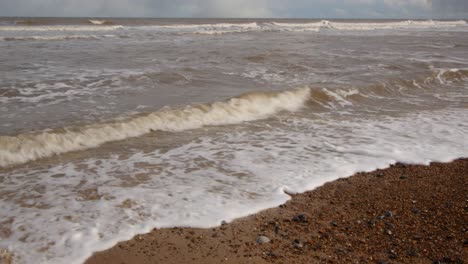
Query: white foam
point(26, 147)
point(213, 178)
point(97, 22)
point(60, 28)
point(365, 26)
point(54, 37)
point(208, 29)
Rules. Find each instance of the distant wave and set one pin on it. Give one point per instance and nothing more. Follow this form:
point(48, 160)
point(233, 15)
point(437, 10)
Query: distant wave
point(49, 38)
point(252, 106)
point(347, 26)
point(100, 22)
point(60, 28)
point(226, 28)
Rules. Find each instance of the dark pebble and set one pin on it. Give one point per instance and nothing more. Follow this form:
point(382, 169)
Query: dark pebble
point(297, 243)
point(223, 223)
point(389, 214)
point(380, 217)
point(381, 262)
point(412, 252)
point(333, 223)
point(300, 218)
point(380, 175)
point(403, 177)
point(415, 210)
point(371, 223)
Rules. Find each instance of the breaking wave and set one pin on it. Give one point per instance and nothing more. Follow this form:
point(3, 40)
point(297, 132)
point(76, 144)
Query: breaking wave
point(61, 28)
point(100, 22)
point(223, 28)
point(50, 38)
point(252, 106)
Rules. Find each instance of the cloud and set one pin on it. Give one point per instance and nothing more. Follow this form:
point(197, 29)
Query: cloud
point(238, 8)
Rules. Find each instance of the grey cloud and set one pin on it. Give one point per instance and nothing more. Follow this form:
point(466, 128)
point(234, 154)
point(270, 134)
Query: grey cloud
point(238, 8)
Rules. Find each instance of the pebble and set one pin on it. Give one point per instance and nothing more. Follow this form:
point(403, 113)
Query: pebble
point(415, 210)
point(223, 223)
point(298, 243)
point(389, 214)
point(403, 177)
point(333, 223)
point(262, 240)
point(412, 252)
point(380, 175)
point(300, 218)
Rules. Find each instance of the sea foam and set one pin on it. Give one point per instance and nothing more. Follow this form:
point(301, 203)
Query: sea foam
point(247, 107)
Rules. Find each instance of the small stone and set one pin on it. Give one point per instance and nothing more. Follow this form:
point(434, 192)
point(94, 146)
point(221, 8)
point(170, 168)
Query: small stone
point(262, 240)
point(380, 175)
point(389, 214)
point(380, 217)
point(223, 223)
point(388, 232)
point(381, 262)
point(371, 223)
point(298, 243)
point(415, 210)
point(300, 218)
point(333, 223)
point(412, 252)
point(403, 177)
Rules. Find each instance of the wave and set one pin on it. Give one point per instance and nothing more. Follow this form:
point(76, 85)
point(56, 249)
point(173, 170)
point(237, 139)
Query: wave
point(100, 22)
point(224, 28)
point(364, 26)
point(219, 28)
point(57, 37)
point(252, 106)
point(61, 28)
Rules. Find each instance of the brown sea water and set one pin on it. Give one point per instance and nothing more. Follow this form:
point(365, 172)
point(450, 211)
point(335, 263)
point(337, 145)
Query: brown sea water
point(111, 127)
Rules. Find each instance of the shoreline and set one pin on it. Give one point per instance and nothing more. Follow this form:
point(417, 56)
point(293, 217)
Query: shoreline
point(402, 214)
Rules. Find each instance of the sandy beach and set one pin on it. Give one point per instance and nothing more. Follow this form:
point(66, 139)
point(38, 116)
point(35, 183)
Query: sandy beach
point(403, 214)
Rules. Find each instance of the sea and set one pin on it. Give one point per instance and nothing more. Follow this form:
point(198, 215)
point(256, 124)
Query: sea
point(112, 127)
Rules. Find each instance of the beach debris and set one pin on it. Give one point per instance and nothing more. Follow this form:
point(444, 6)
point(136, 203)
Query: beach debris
point(300, 218)
point(262, 240)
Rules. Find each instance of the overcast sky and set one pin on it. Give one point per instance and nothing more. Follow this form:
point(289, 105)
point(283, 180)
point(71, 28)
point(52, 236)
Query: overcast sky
point(239, 8)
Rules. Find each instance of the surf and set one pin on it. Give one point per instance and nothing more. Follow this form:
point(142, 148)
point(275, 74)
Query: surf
point(248, 107)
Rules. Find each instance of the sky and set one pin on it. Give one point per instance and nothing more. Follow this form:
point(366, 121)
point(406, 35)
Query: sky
point(238, 8)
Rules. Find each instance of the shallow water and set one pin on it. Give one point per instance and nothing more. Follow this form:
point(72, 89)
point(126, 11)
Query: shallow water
point(111, 128)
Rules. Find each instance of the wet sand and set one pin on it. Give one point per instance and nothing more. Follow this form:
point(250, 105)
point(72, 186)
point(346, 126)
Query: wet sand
point(403, 214)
